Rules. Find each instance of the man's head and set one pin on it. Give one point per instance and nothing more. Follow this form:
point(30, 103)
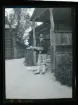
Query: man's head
point(40, 52)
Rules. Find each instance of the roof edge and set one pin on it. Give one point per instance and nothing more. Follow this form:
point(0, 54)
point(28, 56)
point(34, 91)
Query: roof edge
point(33, 17)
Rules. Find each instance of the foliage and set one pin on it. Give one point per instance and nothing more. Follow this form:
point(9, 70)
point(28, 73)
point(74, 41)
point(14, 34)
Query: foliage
point(6, 20)
point(21, 19)
point(63, 72)
point(9, 19)
point(30, 41)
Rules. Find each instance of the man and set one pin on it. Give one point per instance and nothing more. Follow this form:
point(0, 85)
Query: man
point(42, 58)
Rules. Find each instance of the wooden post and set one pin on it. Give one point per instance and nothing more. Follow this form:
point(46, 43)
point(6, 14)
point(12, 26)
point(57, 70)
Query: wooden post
point(52, 39)
point(34, 42)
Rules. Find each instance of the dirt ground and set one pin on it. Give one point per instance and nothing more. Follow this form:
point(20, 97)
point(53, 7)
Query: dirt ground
point(20, 82)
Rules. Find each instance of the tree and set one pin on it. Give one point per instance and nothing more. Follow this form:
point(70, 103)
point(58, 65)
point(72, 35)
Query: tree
point(10, 20)
point(21, 18)
point(23, 21)
point(17, 12)
point(6, 20)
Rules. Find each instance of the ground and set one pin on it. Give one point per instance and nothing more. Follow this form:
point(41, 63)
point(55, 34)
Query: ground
point(21, 83)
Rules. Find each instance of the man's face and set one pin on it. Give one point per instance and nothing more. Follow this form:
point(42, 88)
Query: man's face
point(40, 51)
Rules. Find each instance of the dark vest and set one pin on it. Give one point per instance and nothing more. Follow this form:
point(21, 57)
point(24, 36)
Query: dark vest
point(45, 47)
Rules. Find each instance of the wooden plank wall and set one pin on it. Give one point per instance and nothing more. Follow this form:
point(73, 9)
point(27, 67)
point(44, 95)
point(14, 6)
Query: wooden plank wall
point(63, 38)
point(63, 45)
point(8, 45)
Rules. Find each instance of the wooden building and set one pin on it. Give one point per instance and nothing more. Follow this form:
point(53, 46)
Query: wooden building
point(14, 48)
point(60, 27)
point(60, 32)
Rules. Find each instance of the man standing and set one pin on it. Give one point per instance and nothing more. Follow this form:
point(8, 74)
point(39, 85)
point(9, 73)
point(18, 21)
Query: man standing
point(41, 57)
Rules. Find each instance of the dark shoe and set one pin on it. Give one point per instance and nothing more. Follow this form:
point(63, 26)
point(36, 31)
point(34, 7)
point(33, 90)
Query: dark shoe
point(37, 73)
point(34, 70)
point(43, 73)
